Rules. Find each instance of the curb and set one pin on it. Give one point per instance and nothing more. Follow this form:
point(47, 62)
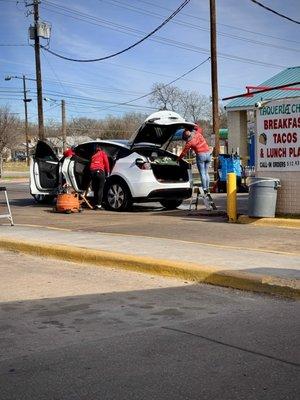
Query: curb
point(187, 271)
point(277, 222)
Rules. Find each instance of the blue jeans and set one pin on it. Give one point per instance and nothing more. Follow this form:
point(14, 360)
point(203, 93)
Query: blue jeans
point(203, 161)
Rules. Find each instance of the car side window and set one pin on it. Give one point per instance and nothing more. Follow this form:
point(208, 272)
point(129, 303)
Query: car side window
point(123, 152)
point(85, 150)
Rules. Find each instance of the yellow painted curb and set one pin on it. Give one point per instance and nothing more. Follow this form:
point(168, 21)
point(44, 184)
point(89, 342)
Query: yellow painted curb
point(277, 222)
point(182, 270)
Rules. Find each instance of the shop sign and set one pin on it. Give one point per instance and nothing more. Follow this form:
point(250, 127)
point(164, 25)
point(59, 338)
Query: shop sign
point(278, 136)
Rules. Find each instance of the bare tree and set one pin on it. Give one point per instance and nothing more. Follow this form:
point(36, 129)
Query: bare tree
point(190, 104)
point(223, 117)
point(110, 127)
point(9, 128)
point(165, 97)
point(194, 106)
point(84, 127)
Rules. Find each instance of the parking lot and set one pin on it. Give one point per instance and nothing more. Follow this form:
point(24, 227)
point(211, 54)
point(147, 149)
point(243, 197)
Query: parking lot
point(76, 330)
point(151, 220)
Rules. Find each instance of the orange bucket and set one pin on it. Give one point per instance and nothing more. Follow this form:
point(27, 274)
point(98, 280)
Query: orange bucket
point(67, 203)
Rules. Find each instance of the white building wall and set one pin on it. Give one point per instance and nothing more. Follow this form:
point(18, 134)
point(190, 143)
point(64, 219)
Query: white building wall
point(237, 137)
point(288, 196)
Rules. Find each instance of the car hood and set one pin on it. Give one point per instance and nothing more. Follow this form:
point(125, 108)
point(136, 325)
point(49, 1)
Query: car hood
point(159, 128)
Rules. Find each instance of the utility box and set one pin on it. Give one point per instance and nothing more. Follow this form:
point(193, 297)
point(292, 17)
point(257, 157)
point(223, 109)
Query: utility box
point(43, 30)
point(31, 32)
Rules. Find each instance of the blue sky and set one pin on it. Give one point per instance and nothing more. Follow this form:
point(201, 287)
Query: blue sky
point(253, 45)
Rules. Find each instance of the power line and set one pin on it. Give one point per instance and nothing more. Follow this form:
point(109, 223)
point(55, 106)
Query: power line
point(87, 18)
point(194, 26)
point(13, 45)
point(204, 19)
point(189, 47)
point(167, 84)
point(128, 48)
point(275, 12)
point(73, 84)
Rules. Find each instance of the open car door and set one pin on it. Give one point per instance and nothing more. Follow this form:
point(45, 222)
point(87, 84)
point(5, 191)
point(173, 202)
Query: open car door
point(76, 168)
point(44, 170)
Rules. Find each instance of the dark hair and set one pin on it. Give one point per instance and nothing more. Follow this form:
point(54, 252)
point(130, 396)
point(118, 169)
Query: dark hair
point(185, 135)
point(98, 147)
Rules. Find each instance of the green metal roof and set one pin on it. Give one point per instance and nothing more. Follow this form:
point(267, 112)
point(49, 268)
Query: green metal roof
point(286, 76)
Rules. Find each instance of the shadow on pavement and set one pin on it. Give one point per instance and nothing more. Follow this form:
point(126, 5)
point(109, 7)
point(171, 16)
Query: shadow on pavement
point(149, 344)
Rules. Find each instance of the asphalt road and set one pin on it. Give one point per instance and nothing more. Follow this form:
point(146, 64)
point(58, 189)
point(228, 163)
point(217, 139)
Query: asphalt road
point(81, 332)
point(152, 220)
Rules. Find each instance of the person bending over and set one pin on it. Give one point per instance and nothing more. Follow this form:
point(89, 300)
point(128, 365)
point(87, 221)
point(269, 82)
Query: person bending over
point(195, 141)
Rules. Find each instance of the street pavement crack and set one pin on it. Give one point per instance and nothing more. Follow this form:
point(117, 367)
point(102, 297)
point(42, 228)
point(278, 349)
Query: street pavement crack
point(233, 346)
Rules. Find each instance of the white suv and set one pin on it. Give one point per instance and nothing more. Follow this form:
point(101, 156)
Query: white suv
point(141, 169)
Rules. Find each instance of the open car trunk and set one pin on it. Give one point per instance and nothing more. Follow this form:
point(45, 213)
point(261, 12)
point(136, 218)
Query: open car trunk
point(164, 165)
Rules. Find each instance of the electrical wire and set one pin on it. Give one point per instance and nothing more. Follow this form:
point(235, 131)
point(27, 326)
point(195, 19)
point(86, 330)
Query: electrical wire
point(197, 27)
point(186, 46)
point(185, 2)
point(146, 12)
point(13, 45)
point(100, 108)
point(87, 18)
point(219, 24)
point(167, 84)
point(274, 12)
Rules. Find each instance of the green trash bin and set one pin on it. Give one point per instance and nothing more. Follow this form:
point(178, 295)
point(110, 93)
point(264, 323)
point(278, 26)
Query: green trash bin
point(262, 196)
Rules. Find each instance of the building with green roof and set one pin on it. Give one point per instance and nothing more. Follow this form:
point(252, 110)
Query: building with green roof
point(271, 119)
point(241, 109)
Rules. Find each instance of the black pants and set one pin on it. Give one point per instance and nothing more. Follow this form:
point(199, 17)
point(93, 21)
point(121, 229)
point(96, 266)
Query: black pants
point(98, 180)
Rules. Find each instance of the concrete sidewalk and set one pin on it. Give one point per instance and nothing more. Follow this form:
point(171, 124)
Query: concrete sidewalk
point(249, 269)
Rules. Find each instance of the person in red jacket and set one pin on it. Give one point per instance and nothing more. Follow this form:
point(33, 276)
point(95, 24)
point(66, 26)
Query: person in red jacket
point(69, 152)
point(99, 168)
point(196, 142)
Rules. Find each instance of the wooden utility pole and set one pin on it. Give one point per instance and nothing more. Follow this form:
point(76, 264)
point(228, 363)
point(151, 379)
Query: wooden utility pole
point(38, 70)
point(26, 117)
point(214, 83)
point(63, 123)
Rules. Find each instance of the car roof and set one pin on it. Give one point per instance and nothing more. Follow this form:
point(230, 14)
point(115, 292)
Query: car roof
point(121, 143)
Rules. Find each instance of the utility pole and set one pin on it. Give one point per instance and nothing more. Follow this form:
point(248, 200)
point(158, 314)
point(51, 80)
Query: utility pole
point(38, 69)
point(214, 83)
point(63, 123)
point(26, 117)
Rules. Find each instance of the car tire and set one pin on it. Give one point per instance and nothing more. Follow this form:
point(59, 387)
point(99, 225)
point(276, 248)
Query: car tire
point(171, 204)
point(117, 196)
point(43, 198)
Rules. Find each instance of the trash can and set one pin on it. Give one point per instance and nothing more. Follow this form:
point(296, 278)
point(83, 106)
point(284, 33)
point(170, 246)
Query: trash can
point(262, 196)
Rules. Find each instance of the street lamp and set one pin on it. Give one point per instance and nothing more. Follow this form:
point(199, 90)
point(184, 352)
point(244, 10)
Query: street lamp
point(25, 100)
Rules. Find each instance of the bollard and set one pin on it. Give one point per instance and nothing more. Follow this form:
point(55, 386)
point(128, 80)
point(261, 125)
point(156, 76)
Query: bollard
point(231, 197)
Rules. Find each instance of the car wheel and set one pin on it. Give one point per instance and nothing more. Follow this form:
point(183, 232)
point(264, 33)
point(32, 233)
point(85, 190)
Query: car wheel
point(117, 196)
point(43, 198)
point(171, 204)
